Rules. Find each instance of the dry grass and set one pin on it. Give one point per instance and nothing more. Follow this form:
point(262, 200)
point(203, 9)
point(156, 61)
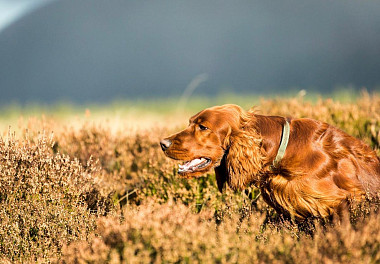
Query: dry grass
point(100, 190)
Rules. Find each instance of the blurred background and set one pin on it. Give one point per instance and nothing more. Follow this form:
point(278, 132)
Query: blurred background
point(96, 51)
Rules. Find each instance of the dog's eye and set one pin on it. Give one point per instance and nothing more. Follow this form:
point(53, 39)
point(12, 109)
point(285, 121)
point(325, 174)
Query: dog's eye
point(201, 127)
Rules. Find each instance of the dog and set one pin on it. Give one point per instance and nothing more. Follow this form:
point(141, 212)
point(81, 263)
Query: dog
point(303, 167)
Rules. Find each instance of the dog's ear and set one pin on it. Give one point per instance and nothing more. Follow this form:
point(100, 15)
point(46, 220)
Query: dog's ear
point(221, 174)
point(244, 159)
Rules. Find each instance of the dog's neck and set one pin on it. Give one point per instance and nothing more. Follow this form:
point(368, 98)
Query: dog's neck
point(251, 153)
point(270, 129)
point(261, 144)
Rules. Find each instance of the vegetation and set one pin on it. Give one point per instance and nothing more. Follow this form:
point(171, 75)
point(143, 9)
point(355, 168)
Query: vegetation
point(94, 187)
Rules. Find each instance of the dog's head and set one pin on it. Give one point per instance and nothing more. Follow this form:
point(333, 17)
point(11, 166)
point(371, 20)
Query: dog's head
point(204, 142)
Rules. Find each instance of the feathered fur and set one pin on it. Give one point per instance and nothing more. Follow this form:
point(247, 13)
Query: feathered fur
point(322, 169)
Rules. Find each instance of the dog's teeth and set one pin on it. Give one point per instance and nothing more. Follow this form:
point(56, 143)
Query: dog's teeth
point(195, 162)
point(191, 165)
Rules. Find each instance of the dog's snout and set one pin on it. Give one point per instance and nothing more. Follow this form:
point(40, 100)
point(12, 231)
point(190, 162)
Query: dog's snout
point(165, 144)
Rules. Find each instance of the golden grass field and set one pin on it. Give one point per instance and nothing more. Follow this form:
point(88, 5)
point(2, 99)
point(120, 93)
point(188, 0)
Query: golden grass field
point(93, 186)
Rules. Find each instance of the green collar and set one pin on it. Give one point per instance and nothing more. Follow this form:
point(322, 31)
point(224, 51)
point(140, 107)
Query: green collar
point(283, 144)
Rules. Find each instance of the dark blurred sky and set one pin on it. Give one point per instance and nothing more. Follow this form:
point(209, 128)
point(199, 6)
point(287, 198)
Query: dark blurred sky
point(97, 51)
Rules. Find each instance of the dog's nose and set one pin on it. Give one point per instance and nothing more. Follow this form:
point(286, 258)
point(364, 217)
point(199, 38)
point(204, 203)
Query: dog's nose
point(165, 144)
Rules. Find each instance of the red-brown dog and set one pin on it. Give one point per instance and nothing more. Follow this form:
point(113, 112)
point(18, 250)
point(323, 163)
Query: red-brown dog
point(303, 167)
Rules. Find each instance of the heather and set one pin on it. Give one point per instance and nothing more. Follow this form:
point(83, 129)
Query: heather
point(94, 187)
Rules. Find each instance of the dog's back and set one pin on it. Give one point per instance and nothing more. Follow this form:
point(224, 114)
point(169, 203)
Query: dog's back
point(322, 168)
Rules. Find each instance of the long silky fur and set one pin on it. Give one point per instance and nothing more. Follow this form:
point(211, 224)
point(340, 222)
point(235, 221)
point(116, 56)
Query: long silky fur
point(245, 156)
point(324, 170)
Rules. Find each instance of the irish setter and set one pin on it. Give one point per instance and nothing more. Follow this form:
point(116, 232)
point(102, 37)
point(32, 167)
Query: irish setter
point(322, 167)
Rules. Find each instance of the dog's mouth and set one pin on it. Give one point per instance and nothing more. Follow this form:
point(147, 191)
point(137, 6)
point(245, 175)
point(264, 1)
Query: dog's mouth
point(195, 165)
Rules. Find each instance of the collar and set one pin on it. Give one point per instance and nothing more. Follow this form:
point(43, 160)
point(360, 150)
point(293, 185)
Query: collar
point(283, 144)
